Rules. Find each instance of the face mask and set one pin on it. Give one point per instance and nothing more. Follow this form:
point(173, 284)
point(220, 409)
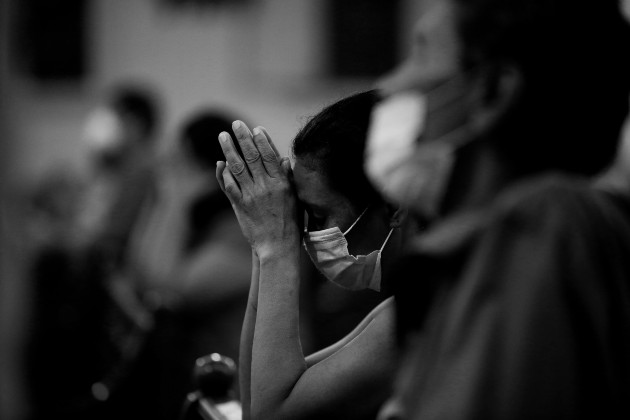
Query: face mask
point(407, 171)
point(328, 250)
point(103, 131)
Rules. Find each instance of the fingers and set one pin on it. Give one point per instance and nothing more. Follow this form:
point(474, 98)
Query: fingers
point(234, 162)
point(273, 146)
point(269, 155)
point(227, 183)
point(286, 166)
point(219, 174)
point(251, 154)
point(230, 186)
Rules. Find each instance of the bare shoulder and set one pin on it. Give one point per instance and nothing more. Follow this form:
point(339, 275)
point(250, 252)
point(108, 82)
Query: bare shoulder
point(385, 309)
point(382, 315)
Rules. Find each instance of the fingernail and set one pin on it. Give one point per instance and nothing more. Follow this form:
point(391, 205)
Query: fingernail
point(236, 125)
point(257, 131)
point(223, 136)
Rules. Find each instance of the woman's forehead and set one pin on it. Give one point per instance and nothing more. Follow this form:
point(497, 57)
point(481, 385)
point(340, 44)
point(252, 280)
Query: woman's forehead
point(312, 187)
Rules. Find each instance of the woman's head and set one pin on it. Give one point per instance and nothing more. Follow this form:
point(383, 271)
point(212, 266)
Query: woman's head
point(328, 153)
point(332, 186)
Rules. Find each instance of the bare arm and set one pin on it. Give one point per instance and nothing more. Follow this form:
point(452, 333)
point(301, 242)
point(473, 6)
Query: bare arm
point(277, 358)
point(348, 380)
point(312, 359)
point(247, 339)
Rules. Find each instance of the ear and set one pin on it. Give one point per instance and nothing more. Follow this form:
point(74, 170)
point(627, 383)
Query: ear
point(397, 215)
point(497, 88)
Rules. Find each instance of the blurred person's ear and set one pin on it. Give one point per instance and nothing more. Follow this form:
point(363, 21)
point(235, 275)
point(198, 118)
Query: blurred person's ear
point(397, 215)
point(496, 89)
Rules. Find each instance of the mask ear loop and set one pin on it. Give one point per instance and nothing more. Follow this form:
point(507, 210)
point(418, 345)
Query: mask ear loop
point(356, 221)
point(386, 239)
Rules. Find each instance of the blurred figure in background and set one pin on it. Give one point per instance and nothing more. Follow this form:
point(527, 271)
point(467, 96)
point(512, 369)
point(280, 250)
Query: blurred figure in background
point(190, 262)
point(122, 137)
point(53, 208)
point(81, 334)
point(517, 305)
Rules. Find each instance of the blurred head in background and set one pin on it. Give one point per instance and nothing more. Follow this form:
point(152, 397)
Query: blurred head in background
point(198, 137)
point(190, 177)
point(196, 151)
point(124, 125)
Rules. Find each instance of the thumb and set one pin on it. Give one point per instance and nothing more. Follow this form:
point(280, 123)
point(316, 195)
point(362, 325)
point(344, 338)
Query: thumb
point(285, 162)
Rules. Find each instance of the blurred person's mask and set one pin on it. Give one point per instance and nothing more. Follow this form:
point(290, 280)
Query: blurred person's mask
point(103, 134)
point(328, 250)
point(413, 139)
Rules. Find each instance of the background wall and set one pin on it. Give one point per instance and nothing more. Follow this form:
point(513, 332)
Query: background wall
point(264, 59)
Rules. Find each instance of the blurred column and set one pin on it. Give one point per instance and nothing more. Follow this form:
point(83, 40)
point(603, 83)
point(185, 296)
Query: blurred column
point(13, 290)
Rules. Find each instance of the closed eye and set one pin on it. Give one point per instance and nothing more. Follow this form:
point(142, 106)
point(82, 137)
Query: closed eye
point(314, 220)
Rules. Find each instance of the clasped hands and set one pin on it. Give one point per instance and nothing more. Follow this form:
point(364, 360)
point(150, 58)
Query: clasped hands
point(259, 187)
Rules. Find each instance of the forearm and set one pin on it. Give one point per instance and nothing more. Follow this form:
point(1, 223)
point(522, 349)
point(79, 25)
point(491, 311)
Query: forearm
point(277, 358)
point(247, 338)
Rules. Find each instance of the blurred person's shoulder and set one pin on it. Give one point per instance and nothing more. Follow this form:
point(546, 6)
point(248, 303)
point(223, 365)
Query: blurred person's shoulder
point(548, 204)
point(557, 201)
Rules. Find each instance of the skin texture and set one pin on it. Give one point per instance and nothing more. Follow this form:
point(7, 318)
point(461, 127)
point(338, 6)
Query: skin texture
point(351, 378)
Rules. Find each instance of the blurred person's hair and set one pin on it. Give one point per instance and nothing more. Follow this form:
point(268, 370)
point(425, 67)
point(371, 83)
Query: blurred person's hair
point(140, 102)
point(198, 138)
point(574, 59)
point(333, 142)
point(199, 133)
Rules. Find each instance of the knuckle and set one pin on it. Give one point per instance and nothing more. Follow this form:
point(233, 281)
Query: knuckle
point(251, 156)
point(268, 155)
point(237, 168)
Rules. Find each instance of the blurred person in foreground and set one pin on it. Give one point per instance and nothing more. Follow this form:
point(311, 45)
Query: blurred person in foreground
point(190, 262)
point(494, 132)
point(351, 234)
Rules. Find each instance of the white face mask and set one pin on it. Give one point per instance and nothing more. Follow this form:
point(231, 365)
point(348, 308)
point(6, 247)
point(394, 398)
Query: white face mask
point(412, 142)
point(328, 250)
point(103, 131)
point(405, 172)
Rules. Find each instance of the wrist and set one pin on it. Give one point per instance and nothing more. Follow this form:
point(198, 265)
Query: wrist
point(278, 250)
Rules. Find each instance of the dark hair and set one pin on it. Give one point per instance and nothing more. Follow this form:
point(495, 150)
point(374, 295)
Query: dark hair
point(333, 142)
point(142, 103)
point(573, 55)
point(199, 135)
